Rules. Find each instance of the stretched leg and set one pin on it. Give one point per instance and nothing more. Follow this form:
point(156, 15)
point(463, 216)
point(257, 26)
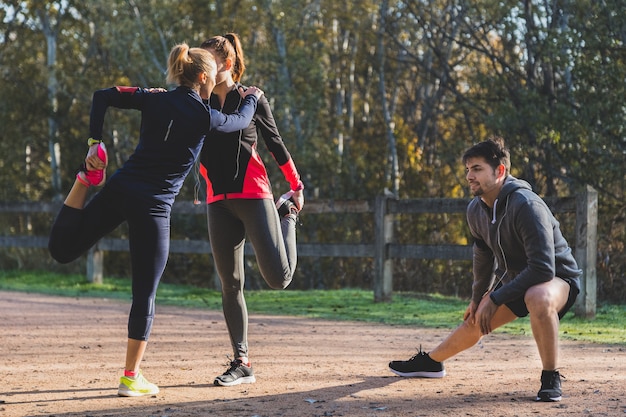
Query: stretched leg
point(430, 365)
point(76, 229)
point(468, 334)
point(288, 227)
point(68, 224)
point(273, 239)
point(229, 222)
point(77, 196)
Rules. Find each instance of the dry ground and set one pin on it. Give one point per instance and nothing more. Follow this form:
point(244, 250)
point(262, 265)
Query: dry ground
point(63, 357)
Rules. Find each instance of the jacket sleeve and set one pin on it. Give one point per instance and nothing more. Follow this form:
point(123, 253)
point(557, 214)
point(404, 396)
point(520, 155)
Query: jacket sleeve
point(482, 256)
point(533, 224)
point(482, 269)
point(269, 132)
point(235, 121)
point(120, 97)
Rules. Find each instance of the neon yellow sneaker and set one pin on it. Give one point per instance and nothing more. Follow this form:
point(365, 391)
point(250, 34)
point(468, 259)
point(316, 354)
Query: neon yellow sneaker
point(136, 387)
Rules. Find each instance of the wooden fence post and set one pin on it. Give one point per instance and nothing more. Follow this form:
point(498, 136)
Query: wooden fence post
point(383, 264)
point(95, 258)
point(586, 250)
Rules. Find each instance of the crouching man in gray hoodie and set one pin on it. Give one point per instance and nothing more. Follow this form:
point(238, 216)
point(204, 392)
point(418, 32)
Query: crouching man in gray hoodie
point(522, 265)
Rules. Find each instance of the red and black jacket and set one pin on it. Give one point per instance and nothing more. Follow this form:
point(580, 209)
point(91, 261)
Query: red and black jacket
point(230, 163)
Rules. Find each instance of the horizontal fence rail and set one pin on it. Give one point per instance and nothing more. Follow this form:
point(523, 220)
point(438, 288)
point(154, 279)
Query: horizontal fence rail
point(384, 250)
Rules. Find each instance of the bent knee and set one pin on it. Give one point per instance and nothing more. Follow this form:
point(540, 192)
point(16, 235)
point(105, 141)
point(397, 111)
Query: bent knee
point(280, 283)
point(280, 286)
point(539, 301)
point(61, 256)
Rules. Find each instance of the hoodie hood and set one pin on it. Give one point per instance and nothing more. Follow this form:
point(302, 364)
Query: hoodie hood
point(511, 184)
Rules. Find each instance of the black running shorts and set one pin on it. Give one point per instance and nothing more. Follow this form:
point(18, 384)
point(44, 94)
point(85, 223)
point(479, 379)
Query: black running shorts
point(518, 306)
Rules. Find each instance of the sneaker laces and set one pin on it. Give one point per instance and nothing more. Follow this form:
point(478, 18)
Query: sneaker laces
point(420, 352)
point(233, 365)
point(553, 376)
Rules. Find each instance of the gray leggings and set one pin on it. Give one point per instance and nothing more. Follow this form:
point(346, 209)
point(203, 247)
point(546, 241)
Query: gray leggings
point(274, 242)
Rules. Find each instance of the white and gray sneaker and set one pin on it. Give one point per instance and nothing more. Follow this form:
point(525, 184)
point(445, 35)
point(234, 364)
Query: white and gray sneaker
point(237, 373)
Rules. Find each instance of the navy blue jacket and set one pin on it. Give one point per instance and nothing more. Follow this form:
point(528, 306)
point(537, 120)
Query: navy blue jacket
point(173, 127)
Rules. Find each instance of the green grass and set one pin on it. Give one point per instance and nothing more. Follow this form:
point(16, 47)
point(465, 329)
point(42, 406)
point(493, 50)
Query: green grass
point(407, 309)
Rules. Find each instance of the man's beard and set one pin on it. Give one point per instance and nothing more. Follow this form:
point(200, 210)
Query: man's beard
point(477, 192)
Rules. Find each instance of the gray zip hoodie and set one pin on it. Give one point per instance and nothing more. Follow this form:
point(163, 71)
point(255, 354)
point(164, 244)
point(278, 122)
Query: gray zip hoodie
point(522, 239)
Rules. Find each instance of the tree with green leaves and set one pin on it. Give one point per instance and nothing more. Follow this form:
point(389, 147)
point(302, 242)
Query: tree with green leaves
point(367, 95)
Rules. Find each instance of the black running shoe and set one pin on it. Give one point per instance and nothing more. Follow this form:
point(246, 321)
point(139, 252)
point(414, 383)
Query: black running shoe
point(550, 386)
point(286, 208)
point(420, 365)
point(285, 205)
point(236, 374)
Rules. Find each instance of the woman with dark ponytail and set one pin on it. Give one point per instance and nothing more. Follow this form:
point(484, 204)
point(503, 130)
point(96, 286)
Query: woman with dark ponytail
point(240, 203)
point(173, 127)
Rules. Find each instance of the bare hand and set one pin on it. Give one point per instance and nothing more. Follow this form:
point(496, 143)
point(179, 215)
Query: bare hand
point(298, 199)
point(470, 313)
point(251, 90)
point(485, 313)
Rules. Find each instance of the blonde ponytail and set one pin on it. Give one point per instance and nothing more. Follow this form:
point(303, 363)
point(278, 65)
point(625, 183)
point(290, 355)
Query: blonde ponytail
point(185, 64)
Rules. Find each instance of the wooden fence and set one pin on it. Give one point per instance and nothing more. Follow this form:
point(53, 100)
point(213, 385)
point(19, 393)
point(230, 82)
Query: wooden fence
point(383, 249)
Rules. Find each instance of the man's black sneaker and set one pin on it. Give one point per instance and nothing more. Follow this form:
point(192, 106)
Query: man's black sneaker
point(236, 374)
point(420, 365)
point(550, 386)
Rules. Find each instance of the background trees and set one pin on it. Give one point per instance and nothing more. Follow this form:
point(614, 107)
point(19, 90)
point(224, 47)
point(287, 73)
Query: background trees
point(368, 95)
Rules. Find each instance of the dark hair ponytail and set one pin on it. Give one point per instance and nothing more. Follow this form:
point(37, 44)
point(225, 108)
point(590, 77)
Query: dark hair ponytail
point(239, 65)
point(228, 47)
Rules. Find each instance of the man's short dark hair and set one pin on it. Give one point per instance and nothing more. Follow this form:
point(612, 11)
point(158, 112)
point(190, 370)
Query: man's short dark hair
point(493, 150)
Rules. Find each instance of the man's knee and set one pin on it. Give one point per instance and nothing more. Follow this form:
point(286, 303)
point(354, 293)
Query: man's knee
point(542, 299)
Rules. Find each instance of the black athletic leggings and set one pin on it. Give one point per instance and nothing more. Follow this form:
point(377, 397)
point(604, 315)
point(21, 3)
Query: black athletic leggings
point(274, 242)
point(75, 231)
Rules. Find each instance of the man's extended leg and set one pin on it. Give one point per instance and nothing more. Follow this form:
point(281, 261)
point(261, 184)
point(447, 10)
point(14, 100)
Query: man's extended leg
point(430, 365)
point(468, 334)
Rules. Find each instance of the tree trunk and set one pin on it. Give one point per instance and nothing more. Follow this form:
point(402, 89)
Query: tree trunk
point(53, 145)
point(393, 176)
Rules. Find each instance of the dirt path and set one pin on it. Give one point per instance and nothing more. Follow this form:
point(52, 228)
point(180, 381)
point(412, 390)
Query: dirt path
point(63, 357)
